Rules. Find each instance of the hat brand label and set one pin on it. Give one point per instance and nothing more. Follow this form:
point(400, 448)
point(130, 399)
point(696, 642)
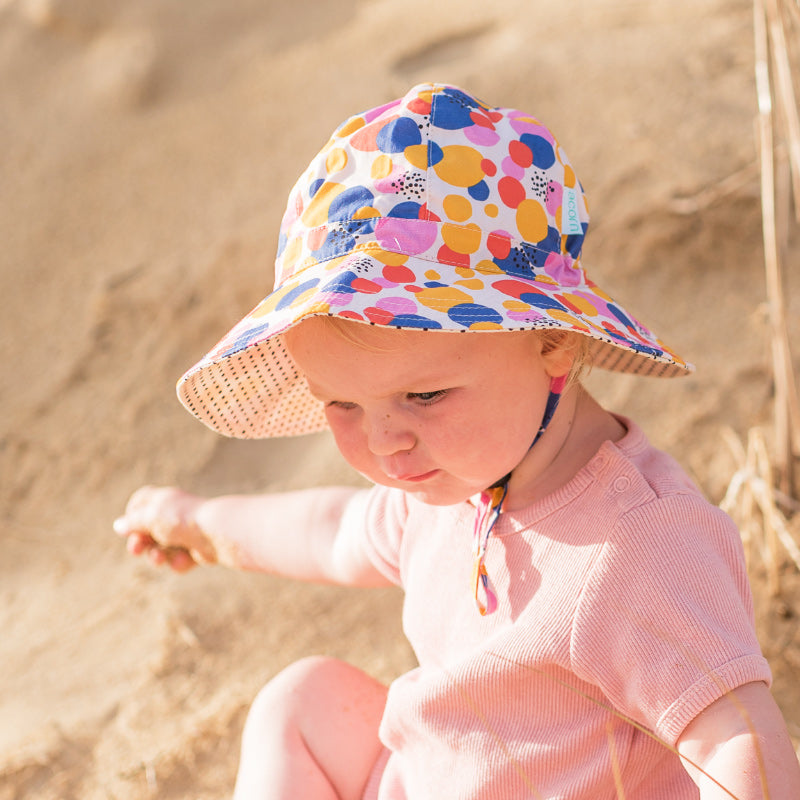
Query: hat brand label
point(572, 221)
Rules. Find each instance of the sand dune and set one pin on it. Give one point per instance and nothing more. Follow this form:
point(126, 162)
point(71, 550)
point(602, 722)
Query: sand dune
point(148, 150)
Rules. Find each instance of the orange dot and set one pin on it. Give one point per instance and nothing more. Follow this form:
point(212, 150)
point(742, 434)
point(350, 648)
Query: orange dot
point(531, 221)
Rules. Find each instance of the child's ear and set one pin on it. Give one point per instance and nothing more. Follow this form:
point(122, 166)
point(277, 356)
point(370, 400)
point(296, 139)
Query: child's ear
point(558, 360)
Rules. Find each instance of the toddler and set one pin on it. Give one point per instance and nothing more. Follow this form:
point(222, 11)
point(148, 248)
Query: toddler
point(580, 614)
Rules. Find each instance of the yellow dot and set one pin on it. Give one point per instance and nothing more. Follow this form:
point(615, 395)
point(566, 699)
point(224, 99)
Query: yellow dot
point(268, 305)
point(290, 254)
point(486, 326)
point(336, 160)
point(531, 221)
point(460, 165)
point(432, 275)
point(569, 177)
point(366, 212)
point(350, 126)
point(465, 272)
point(487, 267)
point(582, 303)
point(458, 208)
point(471, 283)
point(516, 305)
point(381, 167)
point(316, 212)
point(462, 238)
point(442, 298)
point(384, 256)
point(491, 210)
point(417, 155)
point(563, 316)
point(320, 307)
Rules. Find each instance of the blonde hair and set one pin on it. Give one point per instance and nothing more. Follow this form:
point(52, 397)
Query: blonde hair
point(576, 344)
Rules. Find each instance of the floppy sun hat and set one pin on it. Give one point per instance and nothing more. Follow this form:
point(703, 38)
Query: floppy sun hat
point(435, 212)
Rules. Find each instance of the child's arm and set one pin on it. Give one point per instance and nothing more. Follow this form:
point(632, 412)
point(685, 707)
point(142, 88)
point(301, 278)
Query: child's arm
point(742, 742)
point(302, 534)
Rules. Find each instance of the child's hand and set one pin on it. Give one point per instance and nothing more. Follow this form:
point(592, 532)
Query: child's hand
point(160, 523)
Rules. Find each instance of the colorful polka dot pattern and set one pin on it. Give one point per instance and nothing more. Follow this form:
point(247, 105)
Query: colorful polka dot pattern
point(434, 211)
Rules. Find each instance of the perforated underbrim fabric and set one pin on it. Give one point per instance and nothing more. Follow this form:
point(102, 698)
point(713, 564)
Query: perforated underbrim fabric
point(259, 393)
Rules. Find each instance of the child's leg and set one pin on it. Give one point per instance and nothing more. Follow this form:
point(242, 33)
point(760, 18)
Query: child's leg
point(312, 732)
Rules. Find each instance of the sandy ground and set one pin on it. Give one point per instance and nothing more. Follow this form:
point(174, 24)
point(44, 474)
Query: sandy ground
point(147, 151)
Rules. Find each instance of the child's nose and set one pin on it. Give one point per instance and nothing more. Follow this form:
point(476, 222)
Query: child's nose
point(387, 435)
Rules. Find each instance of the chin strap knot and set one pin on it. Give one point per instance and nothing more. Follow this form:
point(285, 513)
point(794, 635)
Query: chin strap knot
point(489, 502)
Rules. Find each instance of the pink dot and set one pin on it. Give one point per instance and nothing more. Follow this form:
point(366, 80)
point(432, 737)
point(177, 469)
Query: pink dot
point(404, 236)
point(555, 194)
point(338, 298)
point(511, 169)
point(316, 238)
point(397, 305)
point(482, 136)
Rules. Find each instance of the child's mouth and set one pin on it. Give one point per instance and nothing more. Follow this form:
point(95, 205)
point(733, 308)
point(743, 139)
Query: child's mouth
point(423, 476)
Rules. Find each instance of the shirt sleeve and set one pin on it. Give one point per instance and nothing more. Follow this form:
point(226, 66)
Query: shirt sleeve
point(665, 621)
point(377, 519)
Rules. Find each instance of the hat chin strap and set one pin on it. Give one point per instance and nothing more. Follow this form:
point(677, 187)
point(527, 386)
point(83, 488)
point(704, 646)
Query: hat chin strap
point(556, 389)
point(490, 504)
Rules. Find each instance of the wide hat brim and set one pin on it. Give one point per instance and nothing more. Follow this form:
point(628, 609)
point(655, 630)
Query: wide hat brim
point(433, 212)
point(248, 386)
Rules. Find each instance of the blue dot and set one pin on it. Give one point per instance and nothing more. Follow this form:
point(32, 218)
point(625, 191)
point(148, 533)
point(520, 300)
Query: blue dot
point(349, 202)
point(290, 296)
point(480, 191)
point(406, 210)
point(574, 242)
point(435, 153)
point(451, 110)
point(540, 300)
point(468, 314)
point(341, 284)
point(543, 154)
point(398, 134)
point(413, 321)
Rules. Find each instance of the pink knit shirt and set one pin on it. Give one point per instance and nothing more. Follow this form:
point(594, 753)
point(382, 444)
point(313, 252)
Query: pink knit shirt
point(623, 590)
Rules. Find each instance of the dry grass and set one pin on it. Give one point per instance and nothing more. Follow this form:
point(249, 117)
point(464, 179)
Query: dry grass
point(760, 484)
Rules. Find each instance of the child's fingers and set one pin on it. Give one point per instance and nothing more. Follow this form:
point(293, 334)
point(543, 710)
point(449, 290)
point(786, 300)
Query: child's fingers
point(122, 527)
point(156, 512)
point(138, 543)
point(158, 522)
point(179, 559)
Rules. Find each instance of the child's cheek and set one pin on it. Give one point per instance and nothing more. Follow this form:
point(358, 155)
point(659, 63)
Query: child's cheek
point(350, 441)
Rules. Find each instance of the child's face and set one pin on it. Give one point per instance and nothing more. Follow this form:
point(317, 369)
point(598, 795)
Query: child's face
point(440, 415)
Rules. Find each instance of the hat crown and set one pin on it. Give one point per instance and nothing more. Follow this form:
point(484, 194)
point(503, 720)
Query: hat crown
point(433, 212)
point(440, 176)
